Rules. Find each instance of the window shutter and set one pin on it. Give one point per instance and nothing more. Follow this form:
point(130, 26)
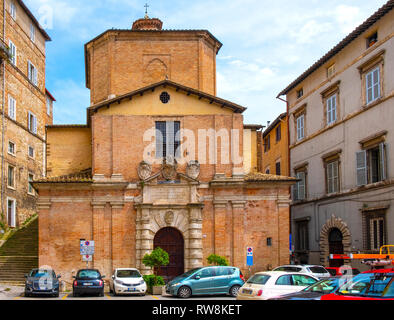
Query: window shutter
point(177, 145)
point(35, 76)
point(160, 132)
point(170, 138)
point(301, 186)
point(29, 70)
point(34, 124)
point(376, 84)
point(361, 164)
point(382, 156)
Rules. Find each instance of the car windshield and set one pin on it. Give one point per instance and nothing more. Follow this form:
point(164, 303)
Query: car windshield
point(88, 274)
point(36, 273)
point(259, 279)
point(288, 269)
point(317, 269)
point(325, 286)
point(370, 285)
point(128, 274)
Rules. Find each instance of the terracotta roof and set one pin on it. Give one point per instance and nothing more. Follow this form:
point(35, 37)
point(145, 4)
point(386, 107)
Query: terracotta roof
point(213, 99)
point(33, 18)
point(341, 45)
point(79, 177)
point(49, 94)
point(253, 126)
point(273, 124)
point(66, 126)
point(259, 177)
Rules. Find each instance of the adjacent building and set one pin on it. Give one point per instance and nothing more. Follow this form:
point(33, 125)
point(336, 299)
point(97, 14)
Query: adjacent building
point(275, 159)
point(341, 145)
point(162, 161)
point(25, 110)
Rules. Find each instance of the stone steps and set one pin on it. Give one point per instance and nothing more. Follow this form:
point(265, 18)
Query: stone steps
point(19, 255)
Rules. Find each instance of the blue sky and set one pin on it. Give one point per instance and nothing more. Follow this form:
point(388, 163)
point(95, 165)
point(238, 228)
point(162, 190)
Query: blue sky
point(266, 44)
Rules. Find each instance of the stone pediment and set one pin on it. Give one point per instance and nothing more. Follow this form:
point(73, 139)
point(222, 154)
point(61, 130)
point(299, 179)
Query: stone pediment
point(168, 186)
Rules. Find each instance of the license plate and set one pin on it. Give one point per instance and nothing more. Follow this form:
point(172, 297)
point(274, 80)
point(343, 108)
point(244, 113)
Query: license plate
point(88, 284)
point(42, 288)
point(247, 291)
point(130, 289)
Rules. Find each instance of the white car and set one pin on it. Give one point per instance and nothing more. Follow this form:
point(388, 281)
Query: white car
point(314, 270)
point(126, 281)
point(270, 284)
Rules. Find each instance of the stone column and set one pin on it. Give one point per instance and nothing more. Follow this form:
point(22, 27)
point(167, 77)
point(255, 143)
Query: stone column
point(193, 252)
point(238, 224)
point(220, 227)
point(98, 235)
point(145, 238)
point(117, 233)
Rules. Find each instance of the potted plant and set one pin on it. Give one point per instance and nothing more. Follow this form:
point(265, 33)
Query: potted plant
point(155, 260)
point(217, 260)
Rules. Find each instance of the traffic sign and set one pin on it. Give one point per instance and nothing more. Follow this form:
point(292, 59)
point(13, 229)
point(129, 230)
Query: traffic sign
point(87, 258)
point(249, 256)
point(86, 247)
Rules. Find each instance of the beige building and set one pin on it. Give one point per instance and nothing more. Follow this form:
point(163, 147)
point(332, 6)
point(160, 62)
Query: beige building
point(26, 110)
point(341, 145)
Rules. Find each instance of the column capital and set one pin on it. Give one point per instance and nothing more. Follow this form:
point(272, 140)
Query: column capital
point(117, 204)
point(238, 204)
point(98, 204)
point(220, 203)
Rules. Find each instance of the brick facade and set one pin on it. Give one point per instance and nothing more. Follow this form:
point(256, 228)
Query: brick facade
point(121, 202)
point(28, 98)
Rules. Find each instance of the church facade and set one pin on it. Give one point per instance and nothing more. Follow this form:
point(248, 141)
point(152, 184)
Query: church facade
point(162, 161)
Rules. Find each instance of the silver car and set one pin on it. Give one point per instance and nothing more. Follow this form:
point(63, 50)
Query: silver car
point(314, 270)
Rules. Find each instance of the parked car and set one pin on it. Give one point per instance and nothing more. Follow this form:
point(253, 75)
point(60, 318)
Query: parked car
point(88, 281)
point(127, 280)
point(344, 270)
point(369, 285)
point(270, 284)
point(207, 281)
point(42, 282)
point(314, 270)
point(316, 290)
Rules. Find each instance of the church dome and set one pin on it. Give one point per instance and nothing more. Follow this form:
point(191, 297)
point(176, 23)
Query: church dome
point(147, 24)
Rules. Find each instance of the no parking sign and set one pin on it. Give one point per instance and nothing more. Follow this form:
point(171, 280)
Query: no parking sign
point(249, 256)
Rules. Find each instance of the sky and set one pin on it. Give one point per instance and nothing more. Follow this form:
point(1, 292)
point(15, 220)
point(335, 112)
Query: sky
point(266, 44)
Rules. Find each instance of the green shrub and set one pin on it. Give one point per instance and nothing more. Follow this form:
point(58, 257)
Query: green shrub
point(217, 260)
point(153, 280)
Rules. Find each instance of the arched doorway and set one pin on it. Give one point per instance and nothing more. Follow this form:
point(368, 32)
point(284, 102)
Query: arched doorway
point(171, 240)
point(335, 242)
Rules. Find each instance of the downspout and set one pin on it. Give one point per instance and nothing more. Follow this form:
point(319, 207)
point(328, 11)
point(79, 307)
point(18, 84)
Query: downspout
point(3, 119)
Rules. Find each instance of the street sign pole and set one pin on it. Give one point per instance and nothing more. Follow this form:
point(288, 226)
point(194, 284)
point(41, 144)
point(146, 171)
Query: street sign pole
point(249, 258)
point(87, 251)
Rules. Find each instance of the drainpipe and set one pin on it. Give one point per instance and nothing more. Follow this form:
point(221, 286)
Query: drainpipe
point(3, 119)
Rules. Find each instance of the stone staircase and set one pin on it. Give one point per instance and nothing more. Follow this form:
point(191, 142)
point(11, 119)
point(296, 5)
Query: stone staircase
point(19, 255)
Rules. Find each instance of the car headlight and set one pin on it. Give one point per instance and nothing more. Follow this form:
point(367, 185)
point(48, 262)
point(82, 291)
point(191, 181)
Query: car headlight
point(142, 282)
point(176, 284)
point(29, 282)
point(119, 282)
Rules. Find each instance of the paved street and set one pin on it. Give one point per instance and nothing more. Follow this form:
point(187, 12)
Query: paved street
point(16, 293)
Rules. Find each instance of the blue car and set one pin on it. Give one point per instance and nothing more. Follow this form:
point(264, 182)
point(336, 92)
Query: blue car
point(42, 282)
point(88, 281)
point(207, 281)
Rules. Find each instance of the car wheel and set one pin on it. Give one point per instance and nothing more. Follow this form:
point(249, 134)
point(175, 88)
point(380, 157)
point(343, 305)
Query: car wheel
point(110, 289)
point(184, 292)
point(75, 294)
point(56, 295)
point(101, 294)
point(27, 294)
point(234, 290)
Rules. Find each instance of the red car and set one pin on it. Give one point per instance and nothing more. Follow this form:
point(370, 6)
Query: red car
point(369, 285)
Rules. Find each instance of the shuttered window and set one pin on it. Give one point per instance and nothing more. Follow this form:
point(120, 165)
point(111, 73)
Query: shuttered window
point(32, 73)
point(372, 80)
point(167, 139)
point(332, 109)
point(11, 107)
point(32, 123)
point(300, 187)
point(300, 127)
point(332, 177)
point(13, 52)
point(371, 165)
